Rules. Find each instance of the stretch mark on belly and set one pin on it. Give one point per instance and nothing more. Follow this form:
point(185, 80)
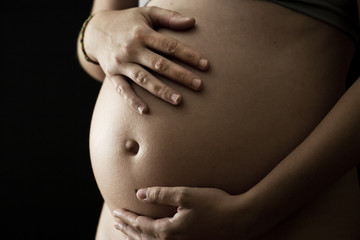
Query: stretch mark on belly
point(132, 146)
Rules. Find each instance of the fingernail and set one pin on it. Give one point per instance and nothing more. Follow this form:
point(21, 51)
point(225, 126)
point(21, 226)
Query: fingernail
point(175, 98)
point(116, 213)
point(196, 83)
point(141, 109)
point(141, 194)
point(185, 18)
point(118, 226)
point(203, 63)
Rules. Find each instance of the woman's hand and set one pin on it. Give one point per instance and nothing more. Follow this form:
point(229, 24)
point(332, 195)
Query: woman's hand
point(202, 213)
point(124, 43)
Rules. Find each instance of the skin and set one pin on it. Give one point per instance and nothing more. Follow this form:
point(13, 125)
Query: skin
point(263, 205)
point(294, 181)
point(284, 190)
point(134, 51)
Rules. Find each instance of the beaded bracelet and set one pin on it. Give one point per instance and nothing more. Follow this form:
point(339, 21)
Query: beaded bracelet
point(82, 32)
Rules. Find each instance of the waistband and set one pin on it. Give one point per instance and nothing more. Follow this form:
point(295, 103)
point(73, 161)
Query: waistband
point(342, 14)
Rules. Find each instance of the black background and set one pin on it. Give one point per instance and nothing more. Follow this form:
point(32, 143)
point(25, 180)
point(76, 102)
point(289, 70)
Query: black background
point(47, 187)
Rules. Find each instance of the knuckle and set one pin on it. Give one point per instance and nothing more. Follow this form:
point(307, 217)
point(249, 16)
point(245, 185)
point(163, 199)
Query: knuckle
point(159, 64)
point(120, 89)
point(171, 46)
point(164, 92)
point(182, 197)
point(128, 51)
point(125, 228)
point(132, 101)
point(109, 71)
point(124, 90)
point(115, 59)
point(155, 193)
point(137, 33)
point(136, 223)
point(140, 77)
point(158, 90)
point(172, 13)
point(191, 57)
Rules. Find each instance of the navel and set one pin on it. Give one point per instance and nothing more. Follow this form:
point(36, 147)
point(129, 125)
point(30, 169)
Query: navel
point(132, 146)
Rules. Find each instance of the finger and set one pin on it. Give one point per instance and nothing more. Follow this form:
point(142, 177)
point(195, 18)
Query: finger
point(147, 81)
point(169, 69)
point(173, 196)
point(128, 94)
point(135, 225)
point(176, 49)
point(130, 232)
point(160, 17)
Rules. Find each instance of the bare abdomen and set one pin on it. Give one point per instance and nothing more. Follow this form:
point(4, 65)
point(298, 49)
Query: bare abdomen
point(274, 75)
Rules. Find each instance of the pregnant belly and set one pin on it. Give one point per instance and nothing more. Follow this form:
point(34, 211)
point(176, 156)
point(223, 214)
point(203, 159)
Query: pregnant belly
point(274, 75)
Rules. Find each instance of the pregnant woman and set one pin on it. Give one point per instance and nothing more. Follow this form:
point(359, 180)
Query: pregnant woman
point(267, 149)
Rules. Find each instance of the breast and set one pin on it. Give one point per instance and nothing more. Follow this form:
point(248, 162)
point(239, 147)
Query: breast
point(268, 87)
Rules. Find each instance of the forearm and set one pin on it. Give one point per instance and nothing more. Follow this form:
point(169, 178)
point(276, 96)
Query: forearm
point(101, 5)
point(332, 149)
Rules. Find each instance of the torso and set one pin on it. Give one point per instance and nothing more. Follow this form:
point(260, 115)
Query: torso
point(274, 75)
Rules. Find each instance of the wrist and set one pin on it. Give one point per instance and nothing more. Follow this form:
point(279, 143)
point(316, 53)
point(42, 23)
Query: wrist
point(85, 41)
point(250, 212)
point(241, 215)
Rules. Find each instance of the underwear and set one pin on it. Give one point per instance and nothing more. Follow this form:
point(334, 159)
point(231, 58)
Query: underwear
point(342, 14)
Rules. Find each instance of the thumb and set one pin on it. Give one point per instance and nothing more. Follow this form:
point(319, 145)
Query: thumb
point(160, 17)
point(173, 196)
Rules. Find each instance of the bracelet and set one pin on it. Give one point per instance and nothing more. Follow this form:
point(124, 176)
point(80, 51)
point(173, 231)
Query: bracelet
point(82, 32)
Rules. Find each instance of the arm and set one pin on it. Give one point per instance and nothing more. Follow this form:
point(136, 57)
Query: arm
point(125, 45)
point(327, 153)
